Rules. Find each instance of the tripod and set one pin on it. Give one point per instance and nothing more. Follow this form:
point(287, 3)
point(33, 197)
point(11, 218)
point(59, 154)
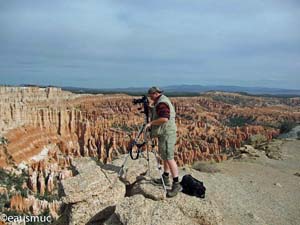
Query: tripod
point(139, 145)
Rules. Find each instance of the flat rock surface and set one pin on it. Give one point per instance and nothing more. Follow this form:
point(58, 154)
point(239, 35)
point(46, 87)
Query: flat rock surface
point(180, 210)
point(260, 191)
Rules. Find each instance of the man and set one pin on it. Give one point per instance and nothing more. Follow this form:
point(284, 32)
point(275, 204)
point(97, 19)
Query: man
point(163, 127)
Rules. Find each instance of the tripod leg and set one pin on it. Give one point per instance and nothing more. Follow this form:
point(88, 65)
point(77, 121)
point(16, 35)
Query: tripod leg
point(122, 166)
point(160, 172)
point(148, 159)
point(120, 171)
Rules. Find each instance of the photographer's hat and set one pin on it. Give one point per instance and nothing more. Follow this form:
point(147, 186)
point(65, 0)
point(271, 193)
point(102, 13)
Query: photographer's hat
point(154, 89)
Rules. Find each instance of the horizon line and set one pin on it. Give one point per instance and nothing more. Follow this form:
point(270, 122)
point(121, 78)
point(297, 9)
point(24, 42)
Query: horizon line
point(172, 85)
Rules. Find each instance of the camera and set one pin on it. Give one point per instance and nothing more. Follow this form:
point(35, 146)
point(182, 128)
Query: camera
point(143, 100)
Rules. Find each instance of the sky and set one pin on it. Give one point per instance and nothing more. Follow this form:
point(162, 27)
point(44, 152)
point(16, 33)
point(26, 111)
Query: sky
point(134, 43)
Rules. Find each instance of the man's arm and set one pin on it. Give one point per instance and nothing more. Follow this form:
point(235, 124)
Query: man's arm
point(159, 121)
point(163, 112)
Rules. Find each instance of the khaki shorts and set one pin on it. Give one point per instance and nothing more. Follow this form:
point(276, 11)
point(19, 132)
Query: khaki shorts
point(166, 146)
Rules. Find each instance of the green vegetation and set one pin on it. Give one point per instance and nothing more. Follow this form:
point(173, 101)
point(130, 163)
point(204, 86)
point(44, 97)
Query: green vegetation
point(230, 100)
point(287, 126)
point(3, 140)
point(10, 181)
point(256, 140)
point(13, 184)
point(298, 135)
point(171, 93)
point(239, 121)
point(282, 96)
point(50, 197)
point(3, 201)
point(132, 93)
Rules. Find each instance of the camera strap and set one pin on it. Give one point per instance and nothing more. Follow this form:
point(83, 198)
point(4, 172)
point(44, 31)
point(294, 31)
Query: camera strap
point(139, 146)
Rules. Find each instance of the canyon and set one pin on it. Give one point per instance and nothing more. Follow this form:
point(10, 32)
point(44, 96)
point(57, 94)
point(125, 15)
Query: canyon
point(43, 130)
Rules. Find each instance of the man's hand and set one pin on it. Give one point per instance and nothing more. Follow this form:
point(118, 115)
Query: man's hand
point(151, 103)
point(157, 122)
point(148, 125)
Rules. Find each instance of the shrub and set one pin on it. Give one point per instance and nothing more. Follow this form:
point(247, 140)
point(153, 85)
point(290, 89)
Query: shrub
point(287, 126)
point(256, 140)
point(239, 121)
point(3, 201)
point(10, 180)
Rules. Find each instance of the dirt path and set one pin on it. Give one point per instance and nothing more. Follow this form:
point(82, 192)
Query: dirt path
point(261, 191)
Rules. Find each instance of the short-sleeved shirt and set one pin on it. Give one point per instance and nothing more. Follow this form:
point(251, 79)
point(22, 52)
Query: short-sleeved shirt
point(163, 110)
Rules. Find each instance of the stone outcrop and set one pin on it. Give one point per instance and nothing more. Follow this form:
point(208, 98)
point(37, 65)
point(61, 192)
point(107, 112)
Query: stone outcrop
point(138, 178)
point(272, 149)
point(133, 169)
point(145, 187)
point(180, 210)
point(97, 196)
point(91, 191)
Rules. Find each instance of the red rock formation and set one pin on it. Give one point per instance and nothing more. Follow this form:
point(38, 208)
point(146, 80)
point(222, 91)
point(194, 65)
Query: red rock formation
point(50, 182)
point(41, 183)
point(35, 206)
point(47, 127)
point(32, 182)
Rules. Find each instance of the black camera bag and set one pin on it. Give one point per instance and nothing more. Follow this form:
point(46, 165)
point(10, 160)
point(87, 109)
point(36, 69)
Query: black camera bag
point(192, 186)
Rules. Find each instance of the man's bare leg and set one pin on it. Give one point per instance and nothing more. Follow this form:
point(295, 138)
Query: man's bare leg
point(166, 166)
point(173, 167)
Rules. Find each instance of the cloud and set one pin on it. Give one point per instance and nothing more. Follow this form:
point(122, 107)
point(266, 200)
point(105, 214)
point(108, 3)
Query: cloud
point(165, 41)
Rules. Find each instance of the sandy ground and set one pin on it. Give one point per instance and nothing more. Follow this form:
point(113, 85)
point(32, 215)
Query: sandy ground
point(261, 191)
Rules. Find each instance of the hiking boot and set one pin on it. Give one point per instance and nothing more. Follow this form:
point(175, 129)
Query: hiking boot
point(176, 187)
point(165, 178)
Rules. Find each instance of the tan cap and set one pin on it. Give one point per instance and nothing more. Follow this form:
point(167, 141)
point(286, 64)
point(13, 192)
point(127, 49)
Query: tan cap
point(154, 89)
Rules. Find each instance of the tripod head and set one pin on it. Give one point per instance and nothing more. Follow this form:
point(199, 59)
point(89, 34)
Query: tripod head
point(145, 108)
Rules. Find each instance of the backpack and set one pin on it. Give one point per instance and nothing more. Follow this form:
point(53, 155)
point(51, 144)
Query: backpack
point(192, 186)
